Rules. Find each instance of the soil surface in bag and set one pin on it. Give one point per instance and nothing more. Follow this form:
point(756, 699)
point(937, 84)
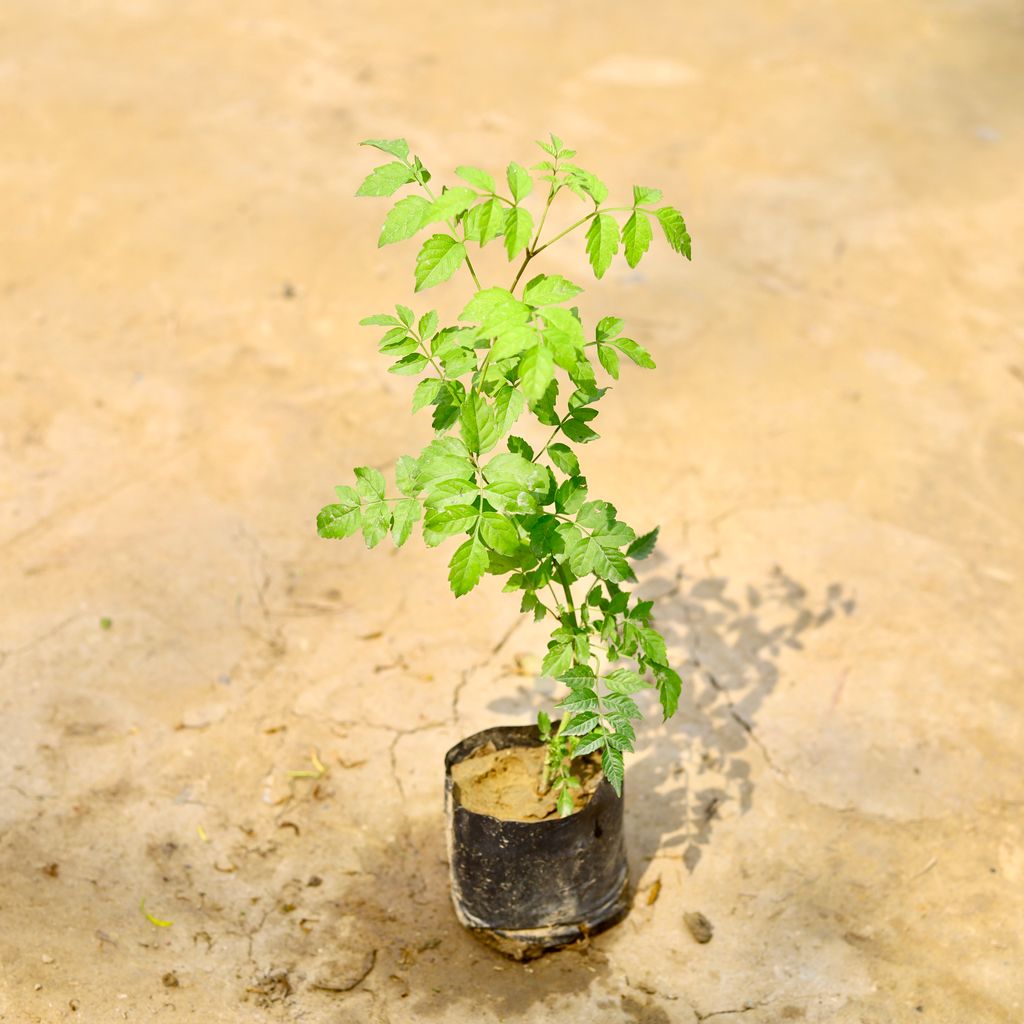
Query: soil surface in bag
point(504, 783)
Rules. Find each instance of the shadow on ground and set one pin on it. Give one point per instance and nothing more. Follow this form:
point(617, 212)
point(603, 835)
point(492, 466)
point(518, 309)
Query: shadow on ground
point(726, 642)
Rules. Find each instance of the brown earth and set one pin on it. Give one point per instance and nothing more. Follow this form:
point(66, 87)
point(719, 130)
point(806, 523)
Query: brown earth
point(505, 783)
point(833, 444)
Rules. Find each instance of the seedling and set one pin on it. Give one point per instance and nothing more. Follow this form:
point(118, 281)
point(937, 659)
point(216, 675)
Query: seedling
point(525, 513)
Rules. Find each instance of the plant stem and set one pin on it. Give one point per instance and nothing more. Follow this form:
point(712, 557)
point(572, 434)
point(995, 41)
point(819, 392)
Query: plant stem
point(582, 220)
point(532, 249)
point(568, 596)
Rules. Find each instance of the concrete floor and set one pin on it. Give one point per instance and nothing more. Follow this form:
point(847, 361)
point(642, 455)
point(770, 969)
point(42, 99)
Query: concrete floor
point(833, 445)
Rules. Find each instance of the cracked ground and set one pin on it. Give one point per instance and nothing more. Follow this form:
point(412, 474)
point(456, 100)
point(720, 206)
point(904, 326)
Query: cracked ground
point(221, 785)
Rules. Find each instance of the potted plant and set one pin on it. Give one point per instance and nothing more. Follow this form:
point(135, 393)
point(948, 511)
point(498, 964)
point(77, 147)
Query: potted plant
point(535, 812)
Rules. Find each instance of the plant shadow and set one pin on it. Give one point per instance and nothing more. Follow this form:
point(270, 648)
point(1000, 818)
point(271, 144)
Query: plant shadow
point(726, 642)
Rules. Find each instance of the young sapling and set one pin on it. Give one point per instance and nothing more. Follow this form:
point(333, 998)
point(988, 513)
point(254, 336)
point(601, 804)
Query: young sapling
point(525, 514)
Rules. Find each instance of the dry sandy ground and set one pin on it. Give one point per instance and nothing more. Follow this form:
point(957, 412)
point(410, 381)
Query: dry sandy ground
point(833, 444)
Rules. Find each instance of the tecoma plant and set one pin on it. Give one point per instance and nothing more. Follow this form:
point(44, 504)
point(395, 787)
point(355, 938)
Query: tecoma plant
point(524, 513)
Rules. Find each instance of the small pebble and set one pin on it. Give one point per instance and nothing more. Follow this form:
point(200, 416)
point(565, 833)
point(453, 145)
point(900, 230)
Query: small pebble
point(47, 959)
point(700, 927)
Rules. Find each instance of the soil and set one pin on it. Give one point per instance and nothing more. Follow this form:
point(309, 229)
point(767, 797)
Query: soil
point(504, 783)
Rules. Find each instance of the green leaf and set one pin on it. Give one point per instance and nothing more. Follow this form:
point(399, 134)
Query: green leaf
point(479, 430)
point(496, 310)
point(609, 359)
point(548, 289)
point(557, 660)
point(674, 226)
point(543, 724)
point(380, 320)
point(451, 202)
point(385, 180)
point(426, 392)
point(510, 342)
point(578, 431)
point(581, 724)
point(439, 258)
point(564, 458)
point(571, 495)
point(578, 676)
point(670, 686)
point(395, 147)
point(485, 222)
point(653, 645)
point(624, 680)
point(404, 219)
point(498, 533)
point(515, 484)
point(643, 546)
point(476, 177)
point(459, 361)
point(639, 355)
point(582, 699)
point(397, 342)
point(509, 404)
point(341, 519)
point(515, 469)
point(564, 334)
point(409, 364)
point(428, 325)
point(536, 371)
point(624, 736)
point(445, 459)
point(602, 243)
point(587, 556)
point(406, 513)
point(405, 314)
point(596, 515)
point(614, 536)
point(518, 230)
point(369, 483)
point(611, 765)
point(467, 566)
point(645, 195)
point(583, 183)
point(518, 446)
point(636, 237)
point(565, 803)
point(407, 476)
point(519, 181)
point(440, 524)
point(376, 521)
point(609, 327)
point(595, 741)
point(619, 704)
